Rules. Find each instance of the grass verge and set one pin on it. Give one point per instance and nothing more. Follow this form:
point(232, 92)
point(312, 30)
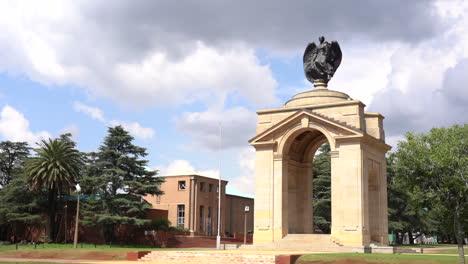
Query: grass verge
point(66, 251)
point(358, 258)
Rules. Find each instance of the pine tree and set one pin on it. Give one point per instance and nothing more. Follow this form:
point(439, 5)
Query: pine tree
point(12, 158)
point(117, 179)
point(322, 189)
point(19, 206)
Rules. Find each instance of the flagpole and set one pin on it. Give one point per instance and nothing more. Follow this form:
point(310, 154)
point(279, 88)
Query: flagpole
point(218, 237)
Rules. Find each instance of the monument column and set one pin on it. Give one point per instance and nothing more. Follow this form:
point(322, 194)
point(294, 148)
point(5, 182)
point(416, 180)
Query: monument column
point(348, 192)
point(264, 193)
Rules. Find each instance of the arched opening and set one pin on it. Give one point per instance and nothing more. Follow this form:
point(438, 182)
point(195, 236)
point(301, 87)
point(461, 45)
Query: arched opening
point(321, 190)
point(301, 156)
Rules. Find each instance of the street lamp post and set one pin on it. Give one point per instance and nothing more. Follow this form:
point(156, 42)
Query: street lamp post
point(218, 237)
point(75, 239)
point(246, 210)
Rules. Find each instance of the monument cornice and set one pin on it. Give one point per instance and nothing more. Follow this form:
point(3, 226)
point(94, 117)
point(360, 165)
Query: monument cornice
point(264, 144)
point(364, 138)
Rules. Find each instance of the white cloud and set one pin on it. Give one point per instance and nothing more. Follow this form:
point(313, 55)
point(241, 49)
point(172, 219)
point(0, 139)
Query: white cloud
point(15, 127)
point(50, 48)
point(245, 183)
point(74, 130)
point(133, 127)
point(94, 112)
point(364, 70)
point(426, 82)
point(394, 140)
point(237, 127)
point(183, 167)
point(205, 72)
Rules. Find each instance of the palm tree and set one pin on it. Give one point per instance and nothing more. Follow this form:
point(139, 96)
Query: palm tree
point(56, 168)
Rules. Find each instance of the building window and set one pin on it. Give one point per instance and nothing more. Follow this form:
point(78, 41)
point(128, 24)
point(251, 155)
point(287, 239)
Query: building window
point(209, 223)
point(181, 215)
point(158, 199)
point(181, 185)
point(210, 187)
point(202, 186)
point(202, 219)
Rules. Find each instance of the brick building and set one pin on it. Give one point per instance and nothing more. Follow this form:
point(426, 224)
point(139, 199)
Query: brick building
point(192, 203)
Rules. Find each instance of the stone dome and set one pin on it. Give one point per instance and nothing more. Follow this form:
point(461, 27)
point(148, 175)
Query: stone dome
point(317, 96)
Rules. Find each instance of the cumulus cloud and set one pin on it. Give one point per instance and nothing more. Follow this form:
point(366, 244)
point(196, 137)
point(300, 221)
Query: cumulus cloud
point(133, 127)
point(237, 127)
point(15, 127)
point(425, 84)
point(157, 53)
point(274, 24)
point(245, 182)
point(183, 167)
point(74, 130)
point(94, 112)
point(49, 48)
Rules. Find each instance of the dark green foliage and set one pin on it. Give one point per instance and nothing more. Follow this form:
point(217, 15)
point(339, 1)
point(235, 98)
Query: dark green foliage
point(410, 209)
point(18, 205)
point(118, 176)
point(322, 189)
point(160, 224)
point(56, 168)
point(12, 158)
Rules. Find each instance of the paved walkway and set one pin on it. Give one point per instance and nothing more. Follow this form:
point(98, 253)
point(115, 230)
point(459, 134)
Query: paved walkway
point(134, 262)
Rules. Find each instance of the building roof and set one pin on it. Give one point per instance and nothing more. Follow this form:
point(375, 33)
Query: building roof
point(193, 175)
point(238, 196)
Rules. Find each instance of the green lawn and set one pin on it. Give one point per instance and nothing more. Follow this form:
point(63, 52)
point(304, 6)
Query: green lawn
point(66, 251)
point(376, 258)
point(426, 246)
point(88, 247)
point(446, 251)
point(70, 246)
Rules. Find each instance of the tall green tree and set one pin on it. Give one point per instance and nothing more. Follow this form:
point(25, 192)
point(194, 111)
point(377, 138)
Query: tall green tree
point(436, 164)
point(12, 158)
point(322, 189)
point(55, 168)
point(117, 178)
point(410, 210)
point(20, 207)
point(15, 201)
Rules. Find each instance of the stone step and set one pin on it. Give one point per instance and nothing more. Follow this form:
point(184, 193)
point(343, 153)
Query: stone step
point(307, 238)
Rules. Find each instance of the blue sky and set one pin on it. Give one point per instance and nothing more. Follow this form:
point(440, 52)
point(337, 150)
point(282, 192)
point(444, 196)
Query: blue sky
point(169, 71)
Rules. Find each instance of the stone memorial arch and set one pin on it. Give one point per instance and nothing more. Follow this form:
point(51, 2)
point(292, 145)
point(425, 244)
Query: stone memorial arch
point(286, 142)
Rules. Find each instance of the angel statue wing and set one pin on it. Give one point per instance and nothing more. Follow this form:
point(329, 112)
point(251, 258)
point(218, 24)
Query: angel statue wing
point(336, 55)
point(309, 53)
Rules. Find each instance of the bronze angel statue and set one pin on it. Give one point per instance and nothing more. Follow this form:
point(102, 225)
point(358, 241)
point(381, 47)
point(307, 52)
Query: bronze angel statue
point(322, 60)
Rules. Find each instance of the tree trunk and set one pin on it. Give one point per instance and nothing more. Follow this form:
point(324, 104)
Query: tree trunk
point(410, 237)
point(458, 233)
point(51, 215)
point(109, 233)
